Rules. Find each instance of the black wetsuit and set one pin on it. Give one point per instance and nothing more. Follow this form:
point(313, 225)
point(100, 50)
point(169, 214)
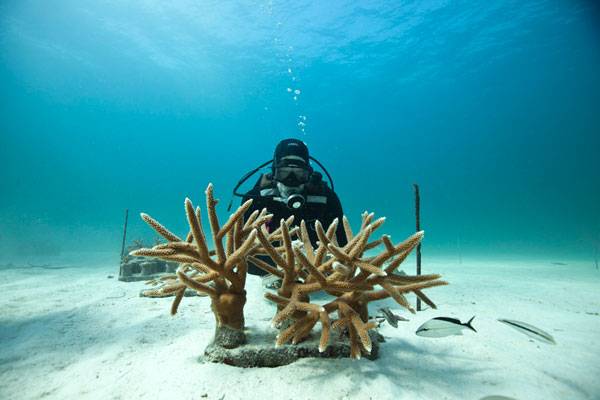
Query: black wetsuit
point(322, 204)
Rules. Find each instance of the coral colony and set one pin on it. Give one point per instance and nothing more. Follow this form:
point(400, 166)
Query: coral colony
point(350, 277)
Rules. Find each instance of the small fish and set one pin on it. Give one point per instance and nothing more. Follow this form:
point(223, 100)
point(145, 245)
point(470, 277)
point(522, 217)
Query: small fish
point(442, 327)
point(497, 397)
point(530, 330)
point(390, 317)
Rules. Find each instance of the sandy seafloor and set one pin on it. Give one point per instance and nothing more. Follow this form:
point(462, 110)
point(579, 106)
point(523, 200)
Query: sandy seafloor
point(74, 333)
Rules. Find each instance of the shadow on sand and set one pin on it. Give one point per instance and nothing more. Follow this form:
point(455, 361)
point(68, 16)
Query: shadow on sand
point(403, 365)
point(69, 333)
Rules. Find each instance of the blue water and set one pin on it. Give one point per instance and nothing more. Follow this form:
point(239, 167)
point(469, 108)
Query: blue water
point(493, 108)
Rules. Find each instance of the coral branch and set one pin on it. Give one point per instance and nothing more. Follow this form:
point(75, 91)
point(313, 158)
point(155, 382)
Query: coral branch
point(161, 230)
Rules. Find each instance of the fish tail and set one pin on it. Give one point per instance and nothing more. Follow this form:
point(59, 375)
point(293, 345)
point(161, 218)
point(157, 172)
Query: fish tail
point(468, 324)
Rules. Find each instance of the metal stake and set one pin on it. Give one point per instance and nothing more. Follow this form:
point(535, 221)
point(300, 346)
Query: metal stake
point(123, 243)
point(418, 220)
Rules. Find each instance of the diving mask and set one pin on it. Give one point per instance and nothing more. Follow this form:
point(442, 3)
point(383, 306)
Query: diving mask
point(291, 176)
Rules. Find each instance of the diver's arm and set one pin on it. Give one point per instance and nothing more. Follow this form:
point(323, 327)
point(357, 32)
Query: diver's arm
point(258, 202)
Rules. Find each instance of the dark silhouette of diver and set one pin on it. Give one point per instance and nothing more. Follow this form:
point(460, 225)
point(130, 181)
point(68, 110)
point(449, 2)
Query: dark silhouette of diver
point(293, 187)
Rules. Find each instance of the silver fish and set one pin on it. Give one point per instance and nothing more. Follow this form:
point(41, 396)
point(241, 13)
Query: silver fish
point(530, 330)
point(442, 327)
point(497, 397)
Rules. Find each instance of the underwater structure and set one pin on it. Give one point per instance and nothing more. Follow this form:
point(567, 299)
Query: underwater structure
point(134, 268)
point(351, 278)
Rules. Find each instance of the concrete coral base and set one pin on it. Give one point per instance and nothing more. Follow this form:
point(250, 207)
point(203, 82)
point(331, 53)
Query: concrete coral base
point(152, 292)
point(260, 351)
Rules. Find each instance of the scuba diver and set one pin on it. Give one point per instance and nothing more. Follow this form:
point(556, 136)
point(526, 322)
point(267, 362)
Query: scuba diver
point(293, 187)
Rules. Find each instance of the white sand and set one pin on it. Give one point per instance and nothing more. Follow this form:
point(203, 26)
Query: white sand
point(75, 334)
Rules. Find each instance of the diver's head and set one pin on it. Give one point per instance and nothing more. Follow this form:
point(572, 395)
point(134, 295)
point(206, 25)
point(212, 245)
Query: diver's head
point(291, 166)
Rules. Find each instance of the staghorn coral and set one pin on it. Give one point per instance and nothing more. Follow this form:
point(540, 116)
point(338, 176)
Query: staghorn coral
point(221, 273)
point(344, 273)
point(348, 274)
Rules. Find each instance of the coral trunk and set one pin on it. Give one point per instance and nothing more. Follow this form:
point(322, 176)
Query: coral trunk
point(229, 312)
